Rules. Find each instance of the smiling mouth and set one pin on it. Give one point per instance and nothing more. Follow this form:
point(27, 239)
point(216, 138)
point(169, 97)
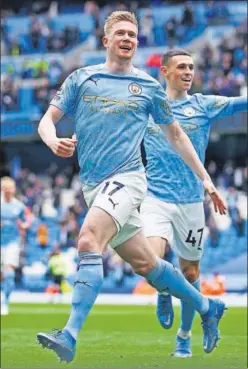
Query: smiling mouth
point(127, 48)
point(186, 80)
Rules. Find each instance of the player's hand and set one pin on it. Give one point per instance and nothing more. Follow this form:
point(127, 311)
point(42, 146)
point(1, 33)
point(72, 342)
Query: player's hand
point(63, 147)
point(218, 201)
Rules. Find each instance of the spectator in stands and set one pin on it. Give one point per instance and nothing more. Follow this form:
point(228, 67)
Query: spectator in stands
point(207, 57)
point(14, 47)
point(238, 178)
point(70, 228)
point(171, 31)
point(27, 70)
point(34, 31)
point(239, 224)
point(245, 184)
point(55, 73)
point(57, 267)
point(232, 197)
point(9, 89)
point(216, 12)
point(71, 35)
point(92, 9)
point(42, 235)
point(222, 11)
point(146, 33)
point(42, 98)
point(45, 34)
point(188, 16)
point(5, 35)
point(214, 233)
point(227, 173)
point(227, 88)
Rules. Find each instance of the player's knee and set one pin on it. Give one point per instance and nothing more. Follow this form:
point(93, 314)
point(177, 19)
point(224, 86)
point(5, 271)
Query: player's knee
point(191, 273)
point(87, 241)
point(143, 267)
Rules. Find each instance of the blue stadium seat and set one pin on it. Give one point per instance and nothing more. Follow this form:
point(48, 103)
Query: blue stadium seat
point(18, 25)
point(84, 21)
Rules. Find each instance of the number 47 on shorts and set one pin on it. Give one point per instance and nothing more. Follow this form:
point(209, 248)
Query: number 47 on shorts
point(192, 239)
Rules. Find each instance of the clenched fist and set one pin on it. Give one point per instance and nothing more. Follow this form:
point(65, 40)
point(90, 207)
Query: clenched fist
point(63, 147)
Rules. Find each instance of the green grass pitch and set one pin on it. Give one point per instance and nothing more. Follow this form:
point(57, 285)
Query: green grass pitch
point(117, 337)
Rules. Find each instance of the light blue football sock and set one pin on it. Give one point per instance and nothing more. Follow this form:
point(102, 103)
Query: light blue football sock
point(166, 278)
point(87, 285)
point(8, 284)
point(187, 311)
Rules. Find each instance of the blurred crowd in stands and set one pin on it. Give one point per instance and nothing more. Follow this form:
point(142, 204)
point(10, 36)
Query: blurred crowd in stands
point(56, 194)
point(56, 210)
point(43, 38)
point(223, 70)
point(220, 69)
point(232, 181)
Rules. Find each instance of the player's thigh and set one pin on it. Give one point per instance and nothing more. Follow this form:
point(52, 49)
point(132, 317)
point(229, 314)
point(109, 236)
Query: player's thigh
point(137, 252)
point(133, 226)
point(156, 216)
point(98, 228)
point(116, 199)
point(188, 224)
point(158, 245)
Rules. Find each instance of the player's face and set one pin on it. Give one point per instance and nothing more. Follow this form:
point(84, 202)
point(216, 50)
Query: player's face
point(122, 40)
point(8, 189)
point(179, 72)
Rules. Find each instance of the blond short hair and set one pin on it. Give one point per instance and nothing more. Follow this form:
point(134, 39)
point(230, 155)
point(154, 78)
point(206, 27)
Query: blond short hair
point(118, 16)
point(6, 179)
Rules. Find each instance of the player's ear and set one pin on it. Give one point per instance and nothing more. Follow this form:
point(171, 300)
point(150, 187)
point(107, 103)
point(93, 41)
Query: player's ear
point(164, 70)
point(105, 40)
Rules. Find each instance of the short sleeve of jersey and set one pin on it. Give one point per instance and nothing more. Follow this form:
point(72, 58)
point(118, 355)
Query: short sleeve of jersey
point(216, 106)
point(65, 97)
point(161, 110)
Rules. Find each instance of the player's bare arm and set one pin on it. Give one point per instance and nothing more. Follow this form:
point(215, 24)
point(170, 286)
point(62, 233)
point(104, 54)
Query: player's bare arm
point(183, 146)
point(24, 225)
point(63, 147)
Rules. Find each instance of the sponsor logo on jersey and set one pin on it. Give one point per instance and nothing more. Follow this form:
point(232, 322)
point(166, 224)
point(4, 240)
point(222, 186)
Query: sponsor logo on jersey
point(135, 89)
point(189, 127)
point(189, 111)
point(106, 105)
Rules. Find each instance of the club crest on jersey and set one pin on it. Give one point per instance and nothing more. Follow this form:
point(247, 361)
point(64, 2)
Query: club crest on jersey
point(135, 88)
point(189, 111)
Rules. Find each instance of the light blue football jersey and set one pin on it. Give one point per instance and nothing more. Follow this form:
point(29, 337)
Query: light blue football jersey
point(11, 212)
point(169, 178)
point(110, 113)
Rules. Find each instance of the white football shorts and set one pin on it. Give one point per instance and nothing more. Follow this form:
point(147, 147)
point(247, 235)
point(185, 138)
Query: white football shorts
point(181, 224)
point(120, 196)
point(10, 254)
